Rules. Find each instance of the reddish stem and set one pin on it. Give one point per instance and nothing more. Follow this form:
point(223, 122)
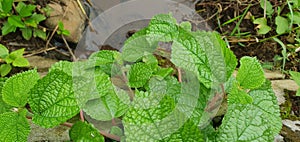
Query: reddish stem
point(179, 75)
point(81, 115)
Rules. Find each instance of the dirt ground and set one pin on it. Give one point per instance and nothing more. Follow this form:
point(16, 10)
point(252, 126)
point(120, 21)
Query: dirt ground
point(221, 11)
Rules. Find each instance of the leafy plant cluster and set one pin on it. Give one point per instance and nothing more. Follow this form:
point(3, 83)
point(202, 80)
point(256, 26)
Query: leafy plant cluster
point(22, 16)
point(285, 23)
point(14, 58)
point(152, 102)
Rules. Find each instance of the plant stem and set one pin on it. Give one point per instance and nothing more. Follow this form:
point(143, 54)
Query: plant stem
point(81, 115)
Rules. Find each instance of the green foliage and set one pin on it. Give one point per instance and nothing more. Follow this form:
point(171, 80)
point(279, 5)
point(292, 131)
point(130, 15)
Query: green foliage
point(52, 100)
point(3, 106)
point(286, 22)
point(14, 126)
point(82, 131)
point(250, 74)
point(152, 103)
point(265, 4)
point(195, 52)
point(262, 25)
point(282, 25)
point(14, 58)
point(25, 18)
point(296, 78)
point(139, 74)
point(252, 121)
point(16, 89)
point(61, 29)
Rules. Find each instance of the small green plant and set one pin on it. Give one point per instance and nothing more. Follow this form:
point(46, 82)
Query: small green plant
point(296, 77)
point(61, 29)
point(23, 17)
point(285, 24)
point(154, 103)
point(14, 58)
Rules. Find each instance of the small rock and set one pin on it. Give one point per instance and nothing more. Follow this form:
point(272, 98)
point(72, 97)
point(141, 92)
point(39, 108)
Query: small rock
point(279, 138)
point(271, 75)
point(71, 15)
point(279, 93)
point(287, 84)
point(42, 64)
point(56, 134)
point(274, 75)
point(293, 125)
point(280, 85)
point(290, 130)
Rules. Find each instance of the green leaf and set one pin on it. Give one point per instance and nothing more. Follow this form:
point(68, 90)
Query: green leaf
point(16, 21)
point(268, 6)
point(105, 60)
point(138, 45)
point(6, 6)
point(38, 18)
point(262, 25)
point(189, 132)
point(188, 55)
point(258, 121)
point(34, 20)
point(3, 51)
point(3, 106)
point(62, 30)
point(16, 54)
point(29, 22)
point(295, 17)
point(164, 72)
point(295, 77)
point(8, 28)
point(282, 25)
point(146, 124)
point(25, 10)
point(163, 27)
point(2, 82)
point(139, 74)
point(237, 96)
point(104, 57)
point(107, 107)
point(20, 62)
point(60, 25)
point(14, 126)
point(250, 74)
point(39, 33)
point(298, 92)
point(222, 61)
point(186, 25)
point(66, 32)
point(296, 3)
point(16, 89)
point(52, 99)
point(82, 131)
point(115, 130)
point(64, 66)
point(5, 69)
point(90, 84)
point(151, 61)
point(26, 33)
